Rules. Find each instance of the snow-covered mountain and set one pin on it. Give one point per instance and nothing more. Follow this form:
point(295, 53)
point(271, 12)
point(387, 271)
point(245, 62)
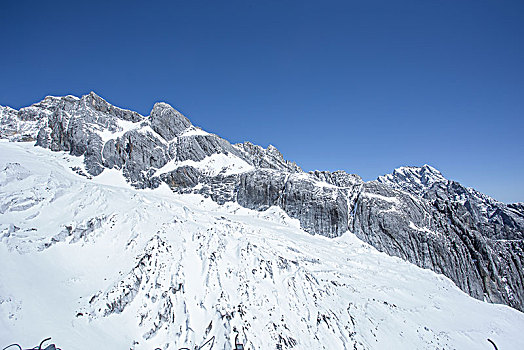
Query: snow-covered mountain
point(143, 232)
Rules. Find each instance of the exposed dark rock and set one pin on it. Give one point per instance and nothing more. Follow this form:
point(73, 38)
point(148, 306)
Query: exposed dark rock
point(320, 209)
point(198, 147)
point(167, 121)
point(269, 158)
point(137, 153)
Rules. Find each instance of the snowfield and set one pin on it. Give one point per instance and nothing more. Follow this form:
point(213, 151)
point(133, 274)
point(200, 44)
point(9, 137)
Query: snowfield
point(96, 264)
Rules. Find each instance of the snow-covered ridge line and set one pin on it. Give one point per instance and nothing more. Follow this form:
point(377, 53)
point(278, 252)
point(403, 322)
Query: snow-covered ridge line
point(97, 117)
point(158, 269)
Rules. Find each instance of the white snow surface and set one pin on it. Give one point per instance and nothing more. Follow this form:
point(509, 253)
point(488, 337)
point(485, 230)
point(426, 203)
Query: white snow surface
point(194, 131)
point(217, 163)
point(417, 179)
point(123, 127)
point(95, 264)
point(393, 200)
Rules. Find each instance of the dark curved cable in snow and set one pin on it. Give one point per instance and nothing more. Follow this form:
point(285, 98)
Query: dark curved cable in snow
point(492, 342)
point(42, 342)
point(7, 347)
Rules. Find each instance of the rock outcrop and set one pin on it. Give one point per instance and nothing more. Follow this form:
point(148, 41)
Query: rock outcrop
point(414, 213)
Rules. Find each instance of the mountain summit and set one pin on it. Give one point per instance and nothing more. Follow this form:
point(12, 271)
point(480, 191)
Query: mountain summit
point(414, 213)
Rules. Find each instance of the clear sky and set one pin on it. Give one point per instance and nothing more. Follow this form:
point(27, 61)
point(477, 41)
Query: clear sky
point(363, 86)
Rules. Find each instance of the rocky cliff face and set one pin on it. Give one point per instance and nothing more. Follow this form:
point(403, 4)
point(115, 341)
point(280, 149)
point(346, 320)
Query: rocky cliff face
point(414, 213)
point(468, 236)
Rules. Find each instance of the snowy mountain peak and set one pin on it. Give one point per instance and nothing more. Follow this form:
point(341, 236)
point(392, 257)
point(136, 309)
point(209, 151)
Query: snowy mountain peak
point(413, 179)
point(425, 172)
point(167, 121)
point(162, 105)
point(94, 95)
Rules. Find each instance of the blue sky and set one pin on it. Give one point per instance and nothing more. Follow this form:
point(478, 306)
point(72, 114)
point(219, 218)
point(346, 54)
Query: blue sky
point(363, 86)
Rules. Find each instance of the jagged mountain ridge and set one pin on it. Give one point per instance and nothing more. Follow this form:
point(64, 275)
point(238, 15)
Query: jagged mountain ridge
point(414, 213)
point(97, 264)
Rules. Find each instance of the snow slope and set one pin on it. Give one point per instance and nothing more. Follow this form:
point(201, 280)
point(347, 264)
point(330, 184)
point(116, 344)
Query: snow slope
point(94, 263)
